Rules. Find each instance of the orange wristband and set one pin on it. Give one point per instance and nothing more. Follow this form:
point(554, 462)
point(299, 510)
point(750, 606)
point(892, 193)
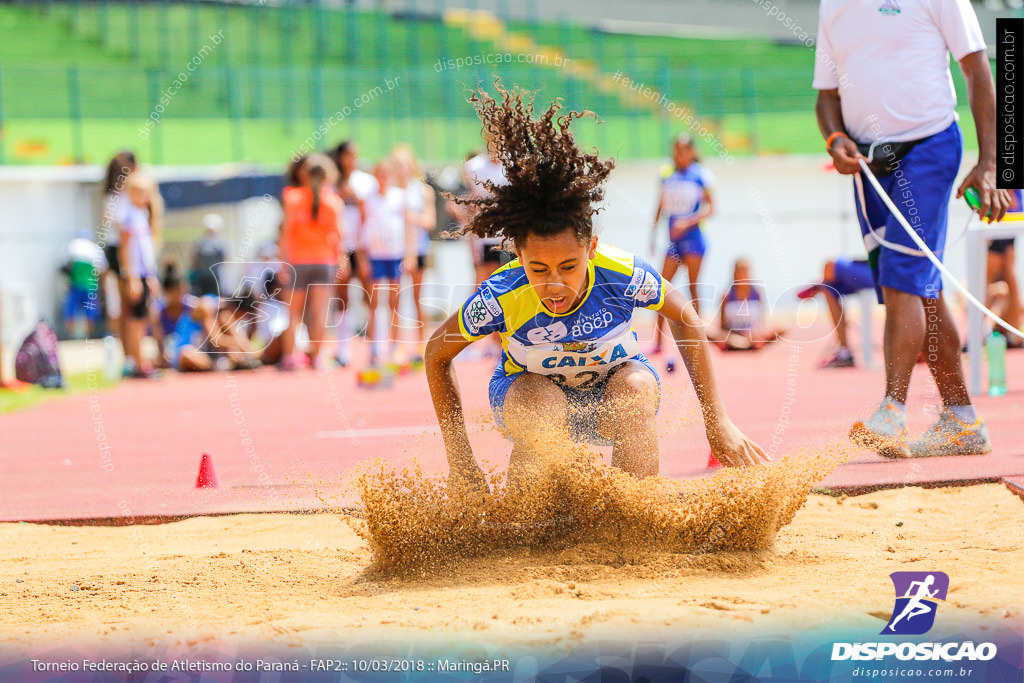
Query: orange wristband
point(831, 139)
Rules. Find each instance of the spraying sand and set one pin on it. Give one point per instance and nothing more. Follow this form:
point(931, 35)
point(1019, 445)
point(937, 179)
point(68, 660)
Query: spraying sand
point(304, 580)
point(412, 523)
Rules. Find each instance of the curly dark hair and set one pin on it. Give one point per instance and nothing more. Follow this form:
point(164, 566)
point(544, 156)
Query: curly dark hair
point(551, 185)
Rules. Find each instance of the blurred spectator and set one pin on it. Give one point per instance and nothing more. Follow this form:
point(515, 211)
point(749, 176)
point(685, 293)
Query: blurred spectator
point(742, 319)
point(108, 235)
point(1003, 295)
point(354, 186)
point(684, 200)
point(83, 263)
point(482, 169)
point(421, 215)
point(138, 267)
point(391, 246)
point(455, 183)
point(195, 334)
point(842, 277)
point(207, 257)
point(311, 238)
point(183, 326)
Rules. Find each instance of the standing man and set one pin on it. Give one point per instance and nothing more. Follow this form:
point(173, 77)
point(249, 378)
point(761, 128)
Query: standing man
point(885, 95)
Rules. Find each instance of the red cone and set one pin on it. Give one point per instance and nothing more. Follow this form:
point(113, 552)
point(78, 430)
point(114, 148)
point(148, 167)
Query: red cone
point(207, 478)
point(713, 461)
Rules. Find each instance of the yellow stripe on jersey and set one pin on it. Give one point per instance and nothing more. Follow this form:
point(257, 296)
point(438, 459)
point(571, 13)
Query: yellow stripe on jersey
point(613, 258)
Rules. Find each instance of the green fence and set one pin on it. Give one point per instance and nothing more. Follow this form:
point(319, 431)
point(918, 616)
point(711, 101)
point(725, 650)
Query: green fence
point(219, 114)
point(191, 82)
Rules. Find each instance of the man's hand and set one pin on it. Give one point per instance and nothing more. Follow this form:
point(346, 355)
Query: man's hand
point(983, 179)
point(845, 155)
point(734, 449)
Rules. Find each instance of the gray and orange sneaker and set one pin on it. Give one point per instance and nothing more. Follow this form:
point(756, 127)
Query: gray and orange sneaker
point(950, 436)
point(885, 432)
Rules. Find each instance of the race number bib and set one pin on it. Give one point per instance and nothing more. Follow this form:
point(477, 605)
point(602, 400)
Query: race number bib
point(581, 365)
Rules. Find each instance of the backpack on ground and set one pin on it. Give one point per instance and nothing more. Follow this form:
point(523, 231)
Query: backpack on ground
point(36, 361)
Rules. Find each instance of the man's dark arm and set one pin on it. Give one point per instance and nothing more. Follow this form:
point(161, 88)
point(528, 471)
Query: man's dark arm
point(830, 120)
point(981, 94)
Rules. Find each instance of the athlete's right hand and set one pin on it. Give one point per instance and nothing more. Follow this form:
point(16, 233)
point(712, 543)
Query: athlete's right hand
point(845, 155)
point(733, 448)
point(465, 478)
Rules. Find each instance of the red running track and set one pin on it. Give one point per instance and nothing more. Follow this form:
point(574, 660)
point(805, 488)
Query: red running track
point(292, 441)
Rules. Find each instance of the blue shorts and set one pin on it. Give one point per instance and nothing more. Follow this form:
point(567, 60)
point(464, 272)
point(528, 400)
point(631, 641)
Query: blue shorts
point(851, 277)
point(386, 269)
point(920, 188)
point(583, 403)
point(690, 243)
point(82, 302)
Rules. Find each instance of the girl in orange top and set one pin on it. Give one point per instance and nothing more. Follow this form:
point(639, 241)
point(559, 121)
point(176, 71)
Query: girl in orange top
point(311, 237)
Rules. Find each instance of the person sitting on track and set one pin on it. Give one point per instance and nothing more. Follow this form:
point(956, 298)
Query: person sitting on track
point(741, 315)
point(194, 333)
point(841, 277)
point(571, 367)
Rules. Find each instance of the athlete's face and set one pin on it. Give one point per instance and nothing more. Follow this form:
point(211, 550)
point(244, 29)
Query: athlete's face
point(682, 154)
point(556, 266)
point(347, 160)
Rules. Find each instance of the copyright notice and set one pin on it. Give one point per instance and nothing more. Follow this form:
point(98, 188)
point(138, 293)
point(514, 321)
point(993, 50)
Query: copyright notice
point(1010, 137)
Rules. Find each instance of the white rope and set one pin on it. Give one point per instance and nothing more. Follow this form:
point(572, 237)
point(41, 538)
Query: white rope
point(877, 237)
point(932, 257)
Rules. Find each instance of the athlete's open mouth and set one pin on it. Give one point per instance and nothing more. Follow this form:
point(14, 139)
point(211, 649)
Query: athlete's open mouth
point(556, 304)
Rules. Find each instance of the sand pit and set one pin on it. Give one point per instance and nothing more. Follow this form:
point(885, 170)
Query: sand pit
point(305, 580)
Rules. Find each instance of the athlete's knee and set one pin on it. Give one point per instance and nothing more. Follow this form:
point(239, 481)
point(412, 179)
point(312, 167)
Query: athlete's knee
point(630, 403)
point(534, 403)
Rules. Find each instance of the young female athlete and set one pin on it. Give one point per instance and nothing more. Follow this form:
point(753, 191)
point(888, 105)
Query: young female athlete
point(391, 247)
point(354, 186)
point(421, 215)
point(310, 243)
point(570, 365)
point(685, 200)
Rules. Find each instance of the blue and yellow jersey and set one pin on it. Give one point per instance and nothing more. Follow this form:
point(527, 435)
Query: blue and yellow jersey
point(577, 348)
point(682, 192)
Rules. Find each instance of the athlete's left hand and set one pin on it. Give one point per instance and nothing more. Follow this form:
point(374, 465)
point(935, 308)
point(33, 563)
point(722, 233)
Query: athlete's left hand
point(983, 179)
point(733, 448)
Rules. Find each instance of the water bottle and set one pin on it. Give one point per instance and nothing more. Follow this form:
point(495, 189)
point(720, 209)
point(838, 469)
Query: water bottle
point(110, 371)
point(996, 348)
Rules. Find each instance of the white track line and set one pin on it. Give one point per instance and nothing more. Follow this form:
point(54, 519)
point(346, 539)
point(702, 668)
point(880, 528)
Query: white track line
point(384, 431)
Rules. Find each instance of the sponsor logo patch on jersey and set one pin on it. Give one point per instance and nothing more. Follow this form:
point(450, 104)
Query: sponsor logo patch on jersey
point(477, 315)
point(490, 302)
point(550, 333)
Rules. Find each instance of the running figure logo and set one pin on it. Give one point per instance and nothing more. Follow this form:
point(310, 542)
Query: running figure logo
point(917, 594)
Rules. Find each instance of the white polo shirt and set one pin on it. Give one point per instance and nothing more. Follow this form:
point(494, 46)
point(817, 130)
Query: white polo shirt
point(363, 185)
point(890, 61)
